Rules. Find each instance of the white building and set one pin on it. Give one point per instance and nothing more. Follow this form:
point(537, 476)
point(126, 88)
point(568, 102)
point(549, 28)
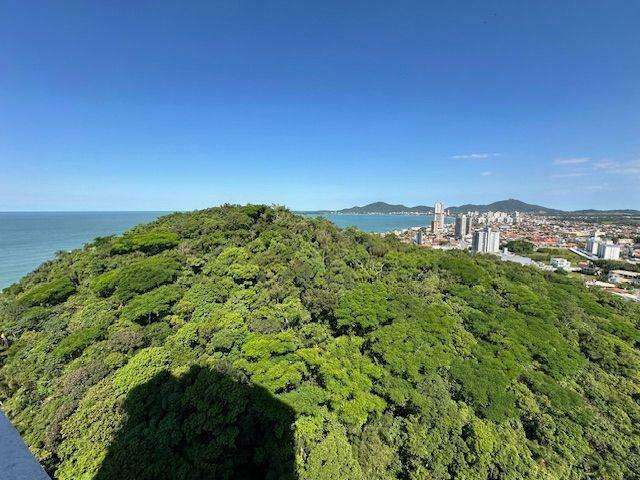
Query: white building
point(486, 241)
point(563, 263)
point(592, 245)
point(608, 251)
point(438, 218)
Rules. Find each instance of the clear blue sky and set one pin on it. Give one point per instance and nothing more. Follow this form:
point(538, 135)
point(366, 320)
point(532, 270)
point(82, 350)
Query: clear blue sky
point(159, 105)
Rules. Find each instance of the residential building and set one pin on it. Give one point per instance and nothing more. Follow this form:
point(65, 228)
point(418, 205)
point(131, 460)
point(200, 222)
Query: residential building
point(486, 241)
point(608, 251)
point(471, 223)
point(592, 245)
point(461, 227)
point(623, 276)
point(437, 226)
point(560, 263)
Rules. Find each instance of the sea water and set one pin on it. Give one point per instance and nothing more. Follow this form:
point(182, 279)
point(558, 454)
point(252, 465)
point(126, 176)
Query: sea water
point(29, 238)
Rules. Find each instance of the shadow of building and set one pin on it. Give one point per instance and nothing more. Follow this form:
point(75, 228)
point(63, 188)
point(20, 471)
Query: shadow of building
point(202, 425)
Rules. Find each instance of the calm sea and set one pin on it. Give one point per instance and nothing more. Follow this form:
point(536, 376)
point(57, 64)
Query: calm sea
point(29, 238)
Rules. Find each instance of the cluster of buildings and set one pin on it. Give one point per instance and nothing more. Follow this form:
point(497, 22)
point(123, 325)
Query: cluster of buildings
point(604, 249)
point(484, 232)
point(469, 230)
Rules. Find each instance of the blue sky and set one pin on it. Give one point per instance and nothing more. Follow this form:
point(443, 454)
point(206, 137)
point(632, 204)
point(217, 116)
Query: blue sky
point(181, 105)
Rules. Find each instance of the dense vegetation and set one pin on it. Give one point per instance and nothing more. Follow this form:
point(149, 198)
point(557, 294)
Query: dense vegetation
point(608, 265)
point(521, 247)
point(544, 254)
point(248, 342)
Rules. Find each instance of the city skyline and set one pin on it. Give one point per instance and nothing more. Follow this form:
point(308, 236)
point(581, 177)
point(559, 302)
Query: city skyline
point(318, 106)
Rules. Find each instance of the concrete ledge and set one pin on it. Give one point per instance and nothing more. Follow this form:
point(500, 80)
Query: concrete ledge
point(16, 461)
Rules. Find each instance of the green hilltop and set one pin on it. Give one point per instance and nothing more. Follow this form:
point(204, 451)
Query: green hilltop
point(249, 342)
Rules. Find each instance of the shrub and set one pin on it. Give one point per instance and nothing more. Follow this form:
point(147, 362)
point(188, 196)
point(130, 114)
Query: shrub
point(76, 342)
point(48, 294)
point(105, 284)
point(152, 305)
point(521, 247)
point(138, 277)
point(145, 275)
point(148, 242)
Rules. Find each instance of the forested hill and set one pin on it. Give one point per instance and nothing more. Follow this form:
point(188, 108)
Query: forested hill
point(248, 343)
point(386, 208)
point(510, 205)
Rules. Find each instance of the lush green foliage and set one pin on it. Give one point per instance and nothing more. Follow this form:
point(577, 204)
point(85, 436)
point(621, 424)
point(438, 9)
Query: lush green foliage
point(148, 242)
point(248, 342)
point(137, 277)
point(545, 254)
point(151, 306)
point(48, 294)
point(608, 265)
point(521, 247)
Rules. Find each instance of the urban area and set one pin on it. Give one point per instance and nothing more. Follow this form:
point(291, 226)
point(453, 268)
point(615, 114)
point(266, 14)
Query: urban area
point(603, 255)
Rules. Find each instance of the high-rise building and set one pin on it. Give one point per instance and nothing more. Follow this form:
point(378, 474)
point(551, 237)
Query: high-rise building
point(461, 226)
point(438, 218)
point(417, 239)
point(486, 241)
point(471, 222)
point(608, 251)
point(592, 245)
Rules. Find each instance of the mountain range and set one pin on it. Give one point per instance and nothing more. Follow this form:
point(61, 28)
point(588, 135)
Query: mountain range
point(509, 205)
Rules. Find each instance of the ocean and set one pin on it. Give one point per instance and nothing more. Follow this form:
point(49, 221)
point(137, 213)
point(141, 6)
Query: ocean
point(29, 238)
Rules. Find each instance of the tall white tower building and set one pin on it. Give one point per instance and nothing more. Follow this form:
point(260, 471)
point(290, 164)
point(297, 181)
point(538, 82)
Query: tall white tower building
point(438, 218)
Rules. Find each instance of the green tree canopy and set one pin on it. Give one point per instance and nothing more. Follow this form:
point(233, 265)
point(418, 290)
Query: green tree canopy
point(250, 342)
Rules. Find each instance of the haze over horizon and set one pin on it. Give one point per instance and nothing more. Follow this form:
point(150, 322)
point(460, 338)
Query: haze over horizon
point(165, 106)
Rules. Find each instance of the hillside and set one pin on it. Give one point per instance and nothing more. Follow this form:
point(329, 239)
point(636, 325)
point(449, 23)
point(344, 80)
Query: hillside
point(510, 205)
point(382, 208)
point(249, 342)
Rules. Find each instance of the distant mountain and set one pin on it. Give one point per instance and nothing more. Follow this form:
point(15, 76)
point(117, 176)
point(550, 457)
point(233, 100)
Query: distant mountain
point(510, 205)
point(382, 207)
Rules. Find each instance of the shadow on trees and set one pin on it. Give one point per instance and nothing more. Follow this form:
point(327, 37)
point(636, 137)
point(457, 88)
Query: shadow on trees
point(202, 425)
